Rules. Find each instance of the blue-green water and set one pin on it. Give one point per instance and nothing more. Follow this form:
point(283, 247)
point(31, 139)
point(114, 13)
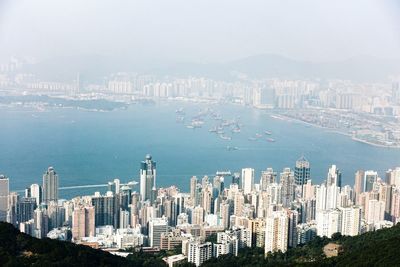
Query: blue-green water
point(96, 147)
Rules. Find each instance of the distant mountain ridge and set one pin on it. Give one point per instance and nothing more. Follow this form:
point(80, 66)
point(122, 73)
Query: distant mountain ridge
point(94, 67)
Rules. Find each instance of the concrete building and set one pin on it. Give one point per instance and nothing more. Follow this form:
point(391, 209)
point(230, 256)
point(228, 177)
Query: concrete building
point(247, 180)
point(157, 226)
point(199, 252)
point(147, 178)
point(4, 193)
point(328, 222)
point(351, 221)
point(83, 222)
point(276, 232)
point(50, 185)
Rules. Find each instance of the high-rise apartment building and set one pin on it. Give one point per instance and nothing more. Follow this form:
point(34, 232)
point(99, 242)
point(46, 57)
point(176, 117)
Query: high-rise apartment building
point(267, 177)
point(199, 252)
point(276, 232)
point(36, 192)
point(358, 184)
point(334, 176)
point(288, 187)
point(50, 185)
point(351, 221)
point(370, 177)
point(328, 222)
point(4, 193)
point(104, 206)
point(247, 180)
point(157, 226)
point(83, 222)
point(25, 209)
point(302, 171)
point(147, 178)
point(376, 211)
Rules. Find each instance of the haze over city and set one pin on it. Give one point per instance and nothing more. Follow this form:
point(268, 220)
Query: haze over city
point(200, 31)
point(197, 133)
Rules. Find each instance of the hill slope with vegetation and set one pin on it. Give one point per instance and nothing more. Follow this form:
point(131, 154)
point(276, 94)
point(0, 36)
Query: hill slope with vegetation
point(379, 248)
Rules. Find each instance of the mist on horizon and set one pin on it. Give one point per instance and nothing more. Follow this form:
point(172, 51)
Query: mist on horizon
point(199, 31)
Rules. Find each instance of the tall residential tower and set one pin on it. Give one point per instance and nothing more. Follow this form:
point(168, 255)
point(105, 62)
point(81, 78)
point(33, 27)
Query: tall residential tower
point(4, 192)
point(147, 178)
point(302, 171)
point(50, 185)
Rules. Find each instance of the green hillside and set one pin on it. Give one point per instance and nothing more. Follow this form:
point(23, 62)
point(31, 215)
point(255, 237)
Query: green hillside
point(379, 248)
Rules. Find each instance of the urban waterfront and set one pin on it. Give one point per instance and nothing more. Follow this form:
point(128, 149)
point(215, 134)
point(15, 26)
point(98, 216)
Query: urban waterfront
point(89, 148)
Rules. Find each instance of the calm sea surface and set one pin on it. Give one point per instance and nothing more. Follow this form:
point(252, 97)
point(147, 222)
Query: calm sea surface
point(95, 147)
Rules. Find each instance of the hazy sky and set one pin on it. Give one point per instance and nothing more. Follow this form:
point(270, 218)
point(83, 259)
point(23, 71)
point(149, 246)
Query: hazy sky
point(201, 31)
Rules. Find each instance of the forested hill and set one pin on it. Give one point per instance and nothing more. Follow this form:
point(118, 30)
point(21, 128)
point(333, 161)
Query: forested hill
point(379, 248)
point(19, 249)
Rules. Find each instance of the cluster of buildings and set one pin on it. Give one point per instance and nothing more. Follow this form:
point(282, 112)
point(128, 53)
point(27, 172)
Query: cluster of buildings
point(368, 112)
point(219, 215)
point(380, 99)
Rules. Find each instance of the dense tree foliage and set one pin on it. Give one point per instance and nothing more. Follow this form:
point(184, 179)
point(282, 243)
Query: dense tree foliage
point(379, 248)
point(19, 249)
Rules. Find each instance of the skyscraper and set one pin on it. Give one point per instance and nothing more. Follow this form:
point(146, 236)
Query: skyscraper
point(328, 222)
point(370, 177)
point(267, 177)
point(302, 171)
point(4, 192)
point(376, 211)
point(114, 186)
point(83, 222)
point(104, 206)
point(288, 187)
point(334, 176)
point(247, 180)
point(36, 192)
point(358, 184)
point(236, 178)
point(156, 227)
point(147, 178)
point(351, 220)
point(50, 185)
point(276, 232)
point(193, 190)
point(41, 221)
point(25, 209)
point(198, 252)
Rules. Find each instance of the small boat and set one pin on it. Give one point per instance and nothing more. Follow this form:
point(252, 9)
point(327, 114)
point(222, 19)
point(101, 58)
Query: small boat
point(267, 132)
point(196, 123)
point(236, 130)
point(230, 148)
point(252, 139)
point(213, 130)
point(270, 140)
point(180, 111)
point(224, 137)
point(258, 135)
point(180, 119)
point(190, 126)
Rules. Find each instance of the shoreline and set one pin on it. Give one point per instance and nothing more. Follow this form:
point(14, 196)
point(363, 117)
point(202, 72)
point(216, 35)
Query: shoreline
point(288, 119)
point(273, 114)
